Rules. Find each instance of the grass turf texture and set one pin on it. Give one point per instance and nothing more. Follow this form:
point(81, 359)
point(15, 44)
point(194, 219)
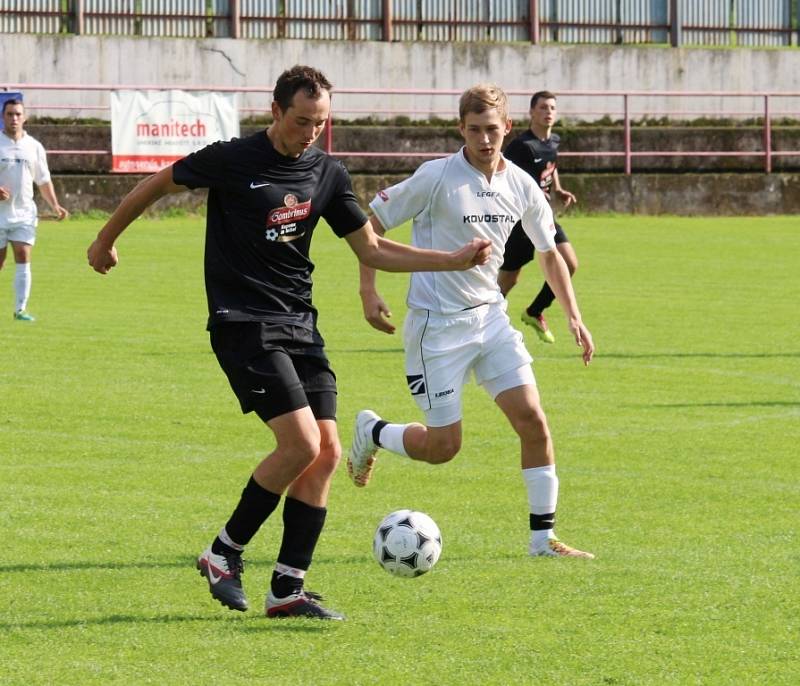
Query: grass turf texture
point(123, 452)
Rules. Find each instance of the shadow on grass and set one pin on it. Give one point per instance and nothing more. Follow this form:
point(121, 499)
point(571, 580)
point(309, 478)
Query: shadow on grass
point(653, 356)
point(154, 565)
point(150, 564)
point(87, 565)
point(254, 621)
point(188, 564)
point(751, 403)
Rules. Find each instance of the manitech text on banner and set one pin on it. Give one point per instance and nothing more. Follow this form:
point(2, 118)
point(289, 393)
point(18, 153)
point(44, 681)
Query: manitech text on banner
point(152, 129)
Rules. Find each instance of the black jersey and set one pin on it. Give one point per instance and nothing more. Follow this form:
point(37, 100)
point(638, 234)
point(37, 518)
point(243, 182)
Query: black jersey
point(262, 211)
point(535, 156)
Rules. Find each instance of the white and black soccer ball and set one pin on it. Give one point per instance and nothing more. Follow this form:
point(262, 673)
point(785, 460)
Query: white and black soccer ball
point(407, 543)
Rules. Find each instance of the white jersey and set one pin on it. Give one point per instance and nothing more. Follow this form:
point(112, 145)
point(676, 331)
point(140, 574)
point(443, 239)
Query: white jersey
point(452, 202)
point(22, 163)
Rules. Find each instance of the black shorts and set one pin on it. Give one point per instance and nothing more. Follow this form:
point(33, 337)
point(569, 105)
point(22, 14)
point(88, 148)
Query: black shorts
point(519, 249)
point(272, 377)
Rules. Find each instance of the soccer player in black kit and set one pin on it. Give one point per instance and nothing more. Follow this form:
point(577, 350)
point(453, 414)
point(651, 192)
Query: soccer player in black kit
point(266, 194)
point(536, 151)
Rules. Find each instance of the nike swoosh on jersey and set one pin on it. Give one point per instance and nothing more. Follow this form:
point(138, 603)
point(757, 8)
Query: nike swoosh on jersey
point(535, 159)
point(255, 185)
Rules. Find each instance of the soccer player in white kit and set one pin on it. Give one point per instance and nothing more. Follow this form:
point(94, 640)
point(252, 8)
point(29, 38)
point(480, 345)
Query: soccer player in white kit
point(456, 323)
point(22, 163)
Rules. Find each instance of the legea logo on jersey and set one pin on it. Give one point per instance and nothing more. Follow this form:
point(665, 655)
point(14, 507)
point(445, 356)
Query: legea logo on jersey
point(282, 221)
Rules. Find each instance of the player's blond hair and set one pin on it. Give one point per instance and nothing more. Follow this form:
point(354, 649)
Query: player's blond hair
point(484, 96)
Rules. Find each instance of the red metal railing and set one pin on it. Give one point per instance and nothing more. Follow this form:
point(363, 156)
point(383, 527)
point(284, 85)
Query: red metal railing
point(537, 24)
point(628, 153)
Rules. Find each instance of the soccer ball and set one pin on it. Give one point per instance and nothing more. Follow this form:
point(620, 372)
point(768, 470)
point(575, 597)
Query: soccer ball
point(407, 543)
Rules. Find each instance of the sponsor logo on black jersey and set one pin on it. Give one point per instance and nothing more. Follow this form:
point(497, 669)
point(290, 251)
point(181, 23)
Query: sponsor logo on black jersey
point(416, 384)
point(282, 222)
point(289, 214)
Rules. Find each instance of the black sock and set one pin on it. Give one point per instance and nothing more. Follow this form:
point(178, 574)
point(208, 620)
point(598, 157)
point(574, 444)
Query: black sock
point(542, 301)
point(302, 525)
point(543, 522)
point(284, 584)
point(255, 505)
point(376, 431)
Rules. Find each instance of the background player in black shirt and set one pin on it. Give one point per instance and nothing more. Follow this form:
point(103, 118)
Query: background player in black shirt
point(536, 151)
point(266, 194)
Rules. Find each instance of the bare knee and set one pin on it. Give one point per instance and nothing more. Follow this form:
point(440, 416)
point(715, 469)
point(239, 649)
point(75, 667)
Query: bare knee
point(329, 456)
point(531, 425)
point(507, 280)
point(301, 451)
point(572, 265)
point(570, 258)
point(442, 449)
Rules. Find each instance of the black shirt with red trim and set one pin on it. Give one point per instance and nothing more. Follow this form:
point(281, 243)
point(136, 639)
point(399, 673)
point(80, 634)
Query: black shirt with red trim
point(263, 208)
point(535, 156)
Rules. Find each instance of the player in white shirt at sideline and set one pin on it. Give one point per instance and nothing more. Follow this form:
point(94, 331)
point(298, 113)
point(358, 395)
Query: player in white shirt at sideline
point(457, 322)
point(22, 163)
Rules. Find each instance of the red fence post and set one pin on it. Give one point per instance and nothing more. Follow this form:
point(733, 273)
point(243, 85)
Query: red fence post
point(675, 23)
point(767, 137)
point(627, 136)
point(78, 25)
point(387, 20)
point(236, 19)
point(533, 18)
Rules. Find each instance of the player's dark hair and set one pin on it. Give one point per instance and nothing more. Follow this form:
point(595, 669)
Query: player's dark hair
point(12, 101)
point(299, 77)
point(541, 95)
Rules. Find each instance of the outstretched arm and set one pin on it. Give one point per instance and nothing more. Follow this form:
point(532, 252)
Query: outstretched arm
point(566, 197)
point(557, 275)
point(381, 253)
point(101, 253)
point(49, 194)
point(376, 311)
point(376, 252)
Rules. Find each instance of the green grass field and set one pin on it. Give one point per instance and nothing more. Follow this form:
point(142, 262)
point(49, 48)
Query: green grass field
point(122, 452)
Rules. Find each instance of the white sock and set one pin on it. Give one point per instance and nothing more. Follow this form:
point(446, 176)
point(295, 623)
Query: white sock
point(22, 285)
point(542, 485)
point(228, 541)
point(391, 438)
point(286, 570)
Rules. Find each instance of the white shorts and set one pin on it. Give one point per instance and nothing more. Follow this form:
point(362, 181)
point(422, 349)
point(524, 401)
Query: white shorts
point(19, 233)
point(442, 350)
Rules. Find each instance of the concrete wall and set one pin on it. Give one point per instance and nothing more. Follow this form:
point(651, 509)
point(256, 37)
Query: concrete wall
point(427, 139)
point(681, 194)
point(114, 60)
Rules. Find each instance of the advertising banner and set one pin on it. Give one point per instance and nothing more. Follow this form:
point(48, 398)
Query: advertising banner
point(151, 129)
